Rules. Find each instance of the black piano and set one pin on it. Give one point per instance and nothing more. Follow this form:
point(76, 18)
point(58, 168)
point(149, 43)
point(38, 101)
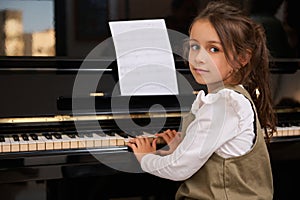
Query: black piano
point(48, 151)
point(55, 145)
point(285, 144)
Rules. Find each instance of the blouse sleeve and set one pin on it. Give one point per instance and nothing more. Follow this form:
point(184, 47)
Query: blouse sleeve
point(216, 122)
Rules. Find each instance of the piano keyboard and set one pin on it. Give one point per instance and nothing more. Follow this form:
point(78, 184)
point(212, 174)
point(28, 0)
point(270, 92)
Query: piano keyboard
point(288, 131)
point(59, 141)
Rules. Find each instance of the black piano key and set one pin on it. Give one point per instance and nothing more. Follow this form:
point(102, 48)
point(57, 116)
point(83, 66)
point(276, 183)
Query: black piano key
point(89, 134)
point(16, 138)
point(296, 123)
point(25, 137)
point(133, 133)
point(33, 136)
point(122, 134)
point(71, 135)
point(2, 139)
point(110, 133)
point(281, 124)
point(57, 135)
point(47, 136)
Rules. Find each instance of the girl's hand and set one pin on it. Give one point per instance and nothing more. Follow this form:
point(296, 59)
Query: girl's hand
point(172, 138)
point(142, 146)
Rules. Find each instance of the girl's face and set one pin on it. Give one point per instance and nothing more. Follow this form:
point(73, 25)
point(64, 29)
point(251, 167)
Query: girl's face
point(207, 60)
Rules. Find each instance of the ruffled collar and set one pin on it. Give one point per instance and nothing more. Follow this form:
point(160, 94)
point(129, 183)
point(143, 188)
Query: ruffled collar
point(209, 98)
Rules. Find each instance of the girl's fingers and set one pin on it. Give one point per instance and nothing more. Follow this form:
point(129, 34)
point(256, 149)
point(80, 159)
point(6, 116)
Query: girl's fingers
point(139, 142)
point(168, 135)
point(132, 146)
point(171, 134)
point(154, 143)
point(142, 141)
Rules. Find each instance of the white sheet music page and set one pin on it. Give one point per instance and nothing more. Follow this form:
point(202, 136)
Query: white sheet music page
point(144, 57)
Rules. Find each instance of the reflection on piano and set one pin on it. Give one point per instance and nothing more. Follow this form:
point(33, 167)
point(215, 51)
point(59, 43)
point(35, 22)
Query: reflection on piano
point(44, 156)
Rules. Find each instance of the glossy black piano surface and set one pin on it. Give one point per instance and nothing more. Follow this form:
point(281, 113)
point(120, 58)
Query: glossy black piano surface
point(90, 163)
point(36, 113)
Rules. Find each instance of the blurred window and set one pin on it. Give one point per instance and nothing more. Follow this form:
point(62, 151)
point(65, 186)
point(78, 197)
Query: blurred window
point(27, 28)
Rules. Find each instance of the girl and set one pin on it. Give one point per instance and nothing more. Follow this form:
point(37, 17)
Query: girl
point(220, 152)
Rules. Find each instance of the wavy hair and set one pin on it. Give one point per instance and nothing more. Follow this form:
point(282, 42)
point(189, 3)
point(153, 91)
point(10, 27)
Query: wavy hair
point(240, 35)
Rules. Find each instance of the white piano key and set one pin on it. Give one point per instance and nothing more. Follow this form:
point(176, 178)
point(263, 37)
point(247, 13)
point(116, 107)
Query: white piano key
point(73, 142)
point(160, 140)
point(40, 143)
point(280, 131)
point(6, 145)
point(297, 130)
point(81, 142)
point(148, 135)
point(24, 145)
point(32, 144)
point(112, 140)
point(290, 131)
point(87, 140)
point(100, 140)
point(48, 142)
point(57, 143)
point(14, 145)
point(120, 140)
point(65, 141)
point(126, 140)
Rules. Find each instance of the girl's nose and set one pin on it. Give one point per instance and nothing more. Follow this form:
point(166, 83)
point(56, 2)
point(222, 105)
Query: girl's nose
point(201, 56)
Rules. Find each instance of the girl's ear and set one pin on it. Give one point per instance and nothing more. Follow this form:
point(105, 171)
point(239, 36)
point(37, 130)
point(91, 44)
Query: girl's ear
point(245, 58)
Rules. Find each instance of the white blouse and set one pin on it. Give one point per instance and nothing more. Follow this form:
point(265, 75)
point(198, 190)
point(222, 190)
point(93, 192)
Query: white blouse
point(223, 124)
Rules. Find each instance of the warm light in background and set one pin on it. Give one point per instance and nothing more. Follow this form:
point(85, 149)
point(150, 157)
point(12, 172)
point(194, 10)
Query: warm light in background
point(16, 36)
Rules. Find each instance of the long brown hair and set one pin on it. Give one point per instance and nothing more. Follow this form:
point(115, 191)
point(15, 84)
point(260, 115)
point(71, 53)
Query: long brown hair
point(240, 35)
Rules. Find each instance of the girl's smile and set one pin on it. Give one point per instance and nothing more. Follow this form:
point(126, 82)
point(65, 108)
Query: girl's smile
point(200, 70)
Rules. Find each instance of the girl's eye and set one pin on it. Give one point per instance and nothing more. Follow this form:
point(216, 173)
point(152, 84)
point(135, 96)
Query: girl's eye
point(214, 49)
point(194, 47)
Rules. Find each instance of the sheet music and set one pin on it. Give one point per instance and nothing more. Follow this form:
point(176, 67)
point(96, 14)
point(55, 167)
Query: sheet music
point(144, 57)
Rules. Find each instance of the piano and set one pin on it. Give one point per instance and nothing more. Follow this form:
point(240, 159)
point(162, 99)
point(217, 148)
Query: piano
point(47, 151)
point(50, 152)
point(285, 144)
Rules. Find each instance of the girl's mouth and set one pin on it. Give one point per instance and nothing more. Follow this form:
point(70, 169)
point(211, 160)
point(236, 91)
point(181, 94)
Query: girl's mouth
point(200, 71)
